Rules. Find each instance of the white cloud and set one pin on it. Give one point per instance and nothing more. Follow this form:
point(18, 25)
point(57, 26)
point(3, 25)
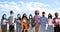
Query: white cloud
point(13, 3)
point(28, 6)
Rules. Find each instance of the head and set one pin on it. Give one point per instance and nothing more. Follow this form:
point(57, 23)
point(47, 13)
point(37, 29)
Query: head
point(4, 16)
point(36, 12)
point(56, 14)
point(30, 16)
point(19, 16)
point(24, 16)
point(43, 14)
point(49, 16)
point(11, 12)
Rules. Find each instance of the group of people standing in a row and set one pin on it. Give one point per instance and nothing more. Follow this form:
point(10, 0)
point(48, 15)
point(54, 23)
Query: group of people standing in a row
point(23, 24)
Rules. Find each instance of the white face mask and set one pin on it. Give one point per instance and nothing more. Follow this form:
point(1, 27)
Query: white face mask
point(12, 15)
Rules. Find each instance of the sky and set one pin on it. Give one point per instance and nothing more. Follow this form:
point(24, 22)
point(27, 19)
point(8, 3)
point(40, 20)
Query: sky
point(28, 7)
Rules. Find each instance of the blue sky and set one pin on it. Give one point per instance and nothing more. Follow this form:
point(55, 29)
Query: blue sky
point(29, 6)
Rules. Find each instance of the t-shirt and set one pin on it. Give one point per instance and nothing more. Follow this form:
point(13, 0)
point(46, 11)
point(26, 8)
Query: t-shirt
point(56, 21)
point(43, 21)
point(11, 19)
point(50, 21)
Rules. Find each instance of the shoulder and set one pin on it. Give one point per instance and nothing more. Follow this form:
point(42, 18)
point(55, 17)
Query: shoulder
point(46, 18)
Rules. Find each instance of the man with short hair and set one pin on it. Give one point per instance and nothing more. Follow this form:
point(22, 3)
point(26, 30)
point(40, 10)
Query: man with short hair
point(11, 21)
point(43, 22)
point(56, 23)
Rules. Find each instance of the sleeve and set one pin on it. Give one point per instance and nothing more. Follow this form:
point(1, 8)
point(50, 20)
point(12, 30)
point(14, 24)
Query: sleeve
point(8, 19)
point(33, 21)
point(46, 26)
point(14, 20)
point(46, 20)
point(40, 20)
point(1, 21)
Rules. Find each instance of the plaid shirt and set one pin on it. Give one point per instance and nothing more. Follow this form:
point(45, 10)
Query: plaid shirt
point(37, 20)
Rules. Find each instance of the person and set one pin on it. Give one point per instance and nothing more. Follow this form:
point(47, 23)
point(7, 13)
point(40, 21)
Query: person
point(43, 22)
point(4, 23)
point(50, 24)
point(18, 23)
point(37, 20)
point(11, 20)
point(24, 23)
point(56, 22)
point(31, 23)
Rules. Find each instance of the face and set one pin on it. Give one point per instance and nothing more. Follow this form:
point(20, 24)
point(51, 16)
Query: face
point(18, 15)
point(49, 16)
point(24, 15)
point(43, 13)
point(4, 16)
point(56, 14)
point(30, 17)
point(36, 12)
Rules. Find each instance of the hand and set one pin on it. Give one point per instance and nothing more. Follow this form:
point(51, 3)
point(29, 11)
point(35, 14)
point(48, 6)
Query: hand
point(29, 24)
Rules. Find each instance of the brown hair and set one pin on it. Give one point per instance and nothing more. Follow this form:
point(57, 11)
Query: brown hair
point(36, 12)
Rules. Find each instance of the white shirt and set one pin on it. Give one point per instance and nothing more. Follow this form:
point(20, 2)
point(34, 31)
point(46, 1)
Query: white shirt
point(50, 21)
point(4, 22)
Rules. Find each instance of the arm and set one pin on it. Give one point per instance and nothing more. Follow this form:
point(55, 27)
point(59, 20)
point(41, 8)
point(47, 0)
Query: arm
point(46, 26)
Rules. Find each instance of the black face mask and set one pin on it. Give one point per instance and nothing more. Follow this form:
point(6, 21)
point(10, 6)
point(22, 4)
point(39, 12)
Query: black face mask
point(43, 15)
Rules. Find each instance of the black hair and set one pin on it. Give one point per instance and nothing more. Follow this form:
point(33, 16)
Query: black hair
point(24, 16)
point(3, 16)
point(49, 16)
point(11, 12)
point(30, 15)
point(43, 12)
point(19, 17)
point(56, 14)
point(36, 12)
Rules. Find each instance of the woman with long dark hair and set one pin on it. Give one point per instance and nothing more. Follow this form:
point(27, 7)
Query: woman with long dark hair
point(4, 23)
point(50, 23)
point(18, 23)
point(31, 23)
point(24, 23)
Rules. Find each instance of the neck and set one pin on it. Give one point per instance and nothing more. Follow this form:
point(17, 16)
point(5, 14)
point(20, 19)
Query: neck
point(43, 16)
point(56, 17)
